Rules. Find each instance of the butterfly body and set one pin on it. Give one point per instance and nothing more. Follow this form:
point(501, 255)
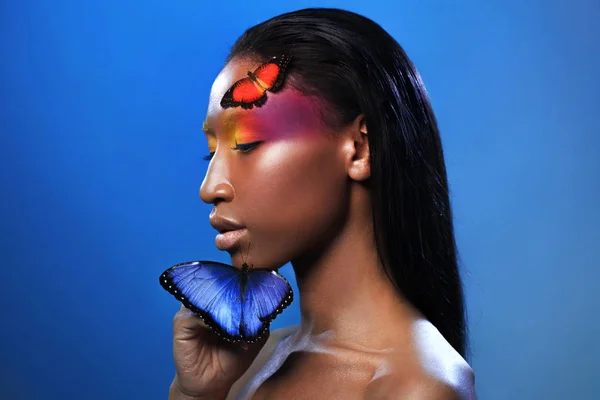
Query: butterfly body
point(252, 91)
point(257, 81)
point(238, 304)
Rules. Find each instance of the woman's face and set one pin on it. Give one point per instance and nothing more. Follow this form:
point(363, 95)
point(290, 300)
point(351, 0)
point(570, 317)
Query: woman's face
point(289, 193)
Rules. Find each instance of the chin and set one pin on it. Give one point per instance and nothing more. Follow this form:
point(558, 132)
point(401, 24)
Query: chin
point(238, 259)
point(265, 252)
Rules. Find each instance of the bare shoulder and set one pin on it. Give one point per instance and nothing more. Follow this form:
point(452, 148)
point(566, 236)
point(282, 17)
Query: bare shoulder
point(440, 361)
point(260, 360)
point(414, 388)
point(438, 372)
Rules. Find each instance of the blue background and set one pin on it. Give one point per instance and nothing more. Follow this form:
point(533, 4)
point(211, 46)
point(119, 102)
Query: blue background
point(100, 152)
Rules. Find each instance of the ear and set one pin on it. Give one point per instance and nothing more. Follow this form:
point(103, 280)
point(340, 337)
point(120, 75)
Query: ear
point(357, 147)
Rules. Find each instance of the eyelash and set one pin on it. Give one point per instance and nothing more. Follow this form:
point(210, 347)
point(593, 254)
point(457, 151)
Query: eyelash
point(241, 147)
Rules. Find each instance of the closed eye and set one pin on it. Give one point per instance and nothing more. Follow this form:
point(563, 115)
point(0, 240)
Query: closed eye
point(241, 147)
point(246, 147)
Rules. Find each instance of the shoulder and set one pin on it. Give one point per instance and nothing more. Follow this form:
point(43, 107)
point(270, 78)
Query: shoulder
point(439, 360)
point(438, 372)
point(263, 356)
point(416, 388)
point(261, 359)
point(276, 336)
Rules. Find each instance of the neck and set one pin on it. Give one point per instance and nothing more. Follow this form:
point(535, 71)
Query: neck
point(345, 290)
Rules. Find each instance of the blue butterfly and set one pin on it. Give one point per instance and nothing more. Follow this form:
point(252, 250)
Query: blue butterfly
point(238, 304)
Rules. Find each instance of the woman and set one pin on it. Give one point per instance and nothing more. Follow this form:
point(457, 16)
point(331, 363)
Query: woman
point(341, 172)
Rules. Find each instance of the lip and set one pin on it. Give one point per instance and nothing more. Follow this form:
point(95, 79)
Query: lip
point(222, 224)
point(229, 239)
point(230, 231)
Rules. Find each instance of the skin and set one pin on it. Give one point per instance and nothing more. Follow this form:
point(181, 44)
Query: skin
point(301, 196)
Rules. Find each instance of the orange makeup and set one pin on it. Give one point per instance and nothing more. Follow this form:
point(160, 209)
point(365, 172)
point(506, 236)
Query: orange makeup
point(285, 115)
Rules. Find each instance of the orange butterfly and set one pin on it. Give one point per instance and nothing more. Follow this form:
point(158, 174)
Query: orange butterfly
point(252, 91)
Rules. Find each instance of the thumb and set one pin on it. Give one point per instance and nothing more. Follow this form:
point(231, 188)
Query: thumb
point(187, 325)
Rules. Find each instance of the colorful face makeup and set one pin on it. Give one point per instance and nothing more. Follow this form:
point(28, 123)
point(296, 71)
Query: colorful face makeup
point(289, 114)
point(297, 170)
point(247, 93)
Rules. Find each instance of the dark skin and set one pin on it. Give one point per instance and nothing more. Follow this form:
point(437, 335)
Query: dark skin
point(301, 196)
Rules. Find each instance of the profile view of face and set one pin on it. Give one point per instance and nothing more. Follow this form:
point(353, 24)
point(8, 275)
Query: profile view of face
point(290, 191)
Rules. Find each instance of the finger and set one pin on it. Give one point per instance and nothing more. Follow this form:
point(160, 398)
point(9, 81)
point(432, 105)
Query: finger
point(186, 320)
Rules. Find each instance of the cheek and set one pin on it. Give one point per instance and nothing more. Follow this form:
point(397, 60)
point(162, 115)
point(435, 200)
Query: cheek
point(294, 190)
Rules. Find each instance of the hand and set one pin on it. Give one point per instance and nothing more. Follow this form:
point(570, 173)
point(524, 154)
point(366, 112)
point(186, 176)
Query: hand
point(206, 366)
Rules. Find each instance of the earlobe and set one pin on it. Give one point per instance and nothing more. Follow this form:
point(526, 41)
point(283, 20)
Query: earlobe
point(360, 167)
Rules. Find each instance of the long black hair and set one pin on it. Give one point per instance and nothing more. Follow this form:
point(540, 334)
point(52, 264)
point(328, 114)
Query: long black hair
point(356, 67)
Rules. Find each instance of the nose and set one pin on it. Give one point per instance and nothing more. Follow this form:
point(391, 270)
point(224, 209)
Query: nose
point(216, 186)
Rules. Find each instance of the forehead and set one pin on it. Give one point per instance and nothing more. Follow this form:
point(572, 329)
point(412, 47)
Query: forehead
point(232, 72)
point(287, 106)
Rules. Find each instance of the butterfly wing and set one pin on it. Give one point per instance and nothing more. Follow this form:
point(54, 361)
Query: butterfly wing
point(210, 289)
point(266, 294)
point(246, 93)
point(273, 72)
